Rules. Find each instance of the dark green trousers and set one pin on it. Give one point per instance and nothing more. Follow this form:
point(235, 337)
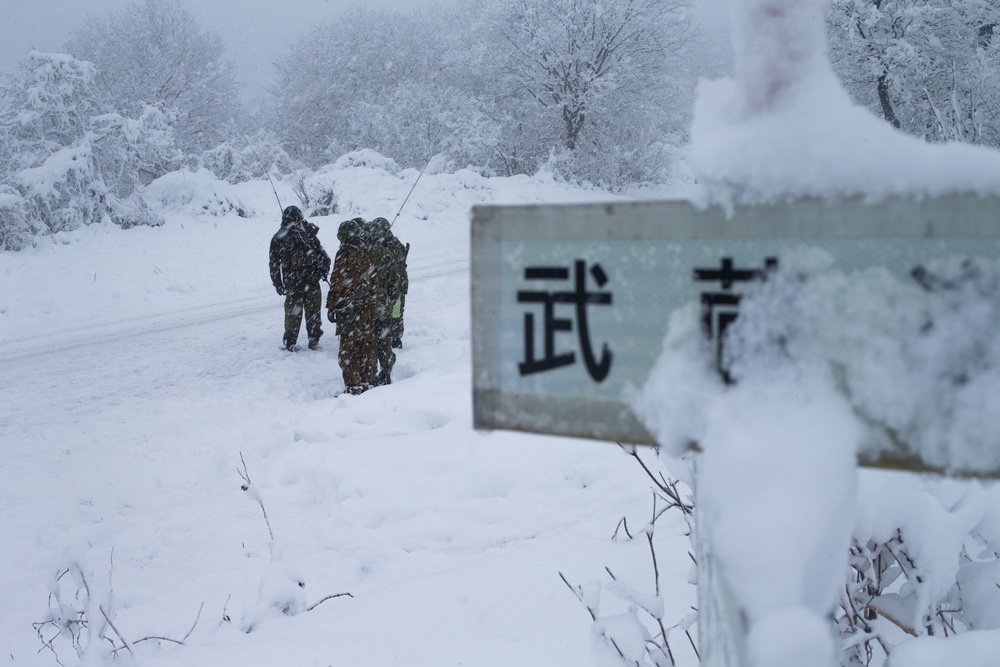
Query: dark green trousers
point(309, 301)
point(383, 348)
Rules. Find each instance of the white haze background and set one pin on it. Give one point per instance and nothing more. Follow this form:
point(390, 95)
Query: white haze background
point(142, 370)
point(256, 32)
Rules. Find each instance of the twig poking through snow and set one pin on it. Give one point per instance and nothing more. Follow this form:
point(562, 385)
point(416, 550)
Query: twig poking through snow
point(328, 597)
point(246, 487)
point(120, 636)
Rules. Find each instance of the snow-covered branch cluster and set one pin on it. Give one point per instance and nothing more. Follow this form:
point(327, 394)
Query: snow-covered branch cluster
point(68, 159)
point(638, 635)
point(82, 612)
point(929, 67)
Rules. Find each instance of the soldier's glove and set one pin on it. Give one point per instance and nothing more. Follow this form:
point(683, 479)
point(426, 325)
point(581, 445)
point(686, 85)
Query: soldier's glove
point(280, 289)
point(331, 315)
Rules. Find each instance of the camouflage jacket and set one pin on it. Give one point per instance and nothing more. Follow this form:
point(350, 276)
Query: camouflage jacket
point(392, 258)
point(354, 283)
point(297, 257)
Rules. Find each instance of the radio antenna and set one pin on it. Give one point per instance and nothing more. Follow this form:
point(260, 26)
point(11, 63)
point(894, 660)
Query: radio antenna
point(411, 191)
point(260, 163)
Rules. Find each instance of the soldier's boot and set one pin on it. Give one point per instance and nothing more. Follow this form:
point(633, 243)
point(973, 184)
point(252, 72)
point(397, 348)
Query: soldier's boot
point(314, 343)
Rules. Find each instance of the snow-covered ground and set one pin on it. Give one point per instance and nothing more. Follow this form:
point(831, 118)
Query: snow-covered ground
point(143, 388)
point(141, 369)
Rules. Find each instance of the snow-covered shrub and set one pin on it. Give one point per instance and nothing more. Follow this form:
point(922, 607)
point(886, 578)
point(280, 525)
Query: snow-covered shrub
point(71, 161)
point(196, 193)
point(80, 610)
point(238, 161)
point(630, 628)
point(64, 191)
point(613, 167)
point(131, 153)
point(132, 211)
point(366, 158)
point(923, 562)
point(317, 191)
point(49, 105)
point(48, 144)
point(16, 230)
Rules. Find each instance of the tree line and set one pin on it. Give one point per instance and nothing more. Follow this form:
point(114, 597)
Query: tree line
point(596, 91)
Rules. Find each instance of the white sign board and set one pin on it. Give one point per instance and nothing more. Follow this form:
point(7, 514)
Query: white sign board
point(570, 303)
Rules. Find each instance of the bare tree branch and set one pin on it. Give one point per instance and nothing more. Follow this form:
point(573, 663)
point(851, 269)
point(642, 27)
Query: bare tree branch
point(328, 597)
point(124, 641)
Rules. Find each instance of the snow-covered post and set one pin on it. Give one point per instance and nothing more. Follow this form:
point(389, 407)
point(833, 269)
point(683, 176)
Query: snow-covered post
point(777, 46)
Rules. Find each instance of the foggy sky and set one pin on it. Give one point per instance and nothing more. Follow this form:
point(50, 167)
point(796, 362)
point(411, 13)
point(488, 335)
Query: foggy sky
point(254, 30)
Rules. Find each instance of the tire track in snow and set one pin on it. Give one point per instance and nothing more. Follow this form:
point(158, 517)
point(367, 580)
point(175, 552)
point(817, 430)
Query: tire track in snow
point(106, 332)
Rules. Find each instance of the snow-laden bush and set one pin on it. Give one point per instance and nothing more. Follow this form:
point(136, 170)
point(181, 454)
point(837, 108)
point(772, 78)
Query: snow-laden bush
point(132, 211)
point(195, 193)
point(257, 157)
point(923, 561)
point(64, 191)
point(130, 153)
point(630, 626)
point(366, 158)
point(16, 230)
point(70, 160)
point(317, 191)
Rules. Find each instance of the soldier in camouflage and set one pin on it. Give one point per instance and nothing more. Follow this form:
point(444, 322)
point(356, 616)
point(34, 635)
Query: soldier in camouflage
point(399, 252)
point(352, 305)
point(298, 262)
point(388, 294)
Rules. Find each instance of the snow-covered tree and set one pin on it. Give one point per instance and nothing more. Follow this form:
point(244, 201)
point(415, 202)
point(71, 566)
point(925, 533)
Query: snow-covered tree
point(326, 79)
point(929, 67)
point(66, 159)
point(248, 157)
point(156, 53)
point(414, 122)
point(593, 90)
point(579, 58)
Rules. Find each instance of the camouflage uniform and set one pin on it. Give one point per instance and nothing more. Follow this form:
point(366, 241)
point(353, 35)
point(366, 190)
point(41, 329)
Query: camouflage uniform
point(298, 262)
point(388, 293)
point(351, 304)
point(399, 253)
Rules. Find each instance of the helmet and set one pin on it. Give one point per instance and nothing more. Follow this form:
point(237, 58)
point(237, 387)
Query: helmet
point(290, 215)
point(350, 231)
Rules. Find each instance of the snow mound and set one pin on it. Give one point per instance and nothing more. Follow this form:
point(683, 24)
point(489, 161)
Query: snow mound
point(195, 193)
point(366, 158)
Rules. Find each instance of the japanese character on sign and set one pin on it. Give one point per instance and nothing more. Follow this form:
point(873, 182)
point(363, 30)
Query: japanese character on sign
point(580, 298)
point(720, 308)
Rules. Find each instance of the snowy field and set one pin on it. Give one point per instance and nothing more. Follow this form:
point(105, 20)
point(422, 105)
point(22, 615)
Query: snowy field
point(176, 490)
point(142, 368)
point(143, 379)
